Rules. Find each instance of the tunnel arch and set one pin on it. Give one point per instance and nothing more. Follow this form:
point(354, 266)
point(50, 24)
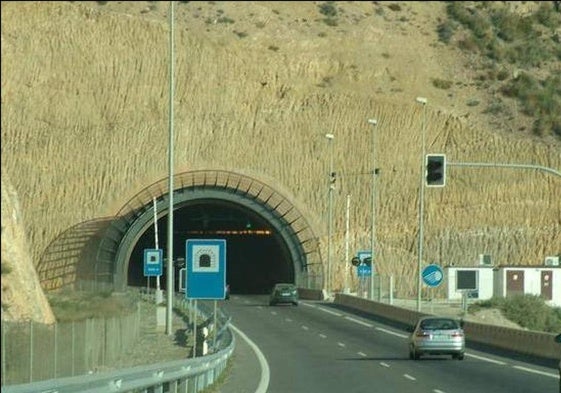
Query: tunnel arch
point(291, 228)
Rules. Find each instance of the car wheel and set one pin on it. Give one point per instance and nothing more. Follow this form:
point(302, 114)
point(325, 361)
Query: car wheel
point(460, 356)
point(295, 303)
point(271, 303)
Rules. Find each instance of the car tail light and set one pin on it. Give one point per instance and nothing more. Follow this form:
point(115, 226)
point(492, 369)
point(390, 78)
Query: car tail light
point(423, 334)
point(458, 334)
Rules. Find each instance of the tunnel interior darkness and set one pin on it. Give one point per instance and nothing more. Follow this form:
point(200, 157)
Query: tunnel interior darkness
point(256, 256)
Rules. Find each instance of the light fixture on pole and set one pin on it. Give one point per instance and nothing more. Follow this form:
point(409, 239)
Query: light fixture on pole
point(373, 122)
point(330, 138)
point(347, 234)
point(422, 101)
point(169, 275)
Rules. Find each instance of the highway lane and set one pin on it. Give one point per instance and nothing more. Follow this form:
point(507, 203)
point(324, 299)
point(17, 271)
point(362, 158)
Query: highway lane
point(317, 348)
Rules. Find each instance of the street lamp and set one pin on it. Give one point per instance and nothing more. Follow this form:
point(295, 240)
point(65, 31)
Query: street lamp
point(169, 275)
point(422, 101)
point(330, 138)
point(373, 122)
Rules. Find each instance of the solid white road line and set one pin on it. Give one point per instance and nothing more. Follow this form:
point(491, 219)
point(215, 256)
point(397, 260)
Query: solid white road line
point(391, 332)
point(531, 370)
point(486, 359)
point(330, 312)
point(359, 322)
point(265, 373)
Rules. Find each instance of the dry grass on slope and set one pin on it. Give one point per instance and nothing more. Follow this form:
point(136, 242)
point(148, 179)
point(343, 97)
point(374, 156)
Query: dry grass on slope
point(258, 84)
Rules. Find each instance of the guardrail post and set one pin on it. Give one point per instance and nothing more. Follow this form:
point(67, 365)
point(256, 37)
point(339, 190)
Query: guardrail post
point(31, 351)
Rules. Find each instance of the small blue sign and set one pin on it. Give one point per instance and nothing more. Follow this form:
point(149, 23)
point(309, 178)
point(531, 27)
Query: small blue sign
point(363, 270)
point(432, 275)
point(362, 255)
point(205, 260)
point(153, 261)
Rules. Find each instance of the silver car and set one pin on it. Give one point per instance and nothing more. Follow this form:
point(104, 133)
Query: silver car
point(434, 335)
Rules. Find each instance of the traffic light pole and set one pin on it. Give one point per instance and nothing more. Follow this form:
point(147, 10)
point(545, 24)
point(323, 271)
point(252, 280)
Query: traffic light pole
point(515, 166)
point(422, 101)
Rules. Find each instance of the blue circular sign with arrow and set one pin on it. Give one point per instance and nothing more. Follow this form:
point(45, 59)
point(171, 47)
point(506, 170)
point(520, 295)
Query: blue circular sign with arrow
point(432, 275)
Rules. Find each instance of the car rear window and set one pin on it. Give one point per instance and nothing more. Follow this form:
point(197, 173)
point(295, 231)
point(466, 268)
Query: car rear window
point(439, 324)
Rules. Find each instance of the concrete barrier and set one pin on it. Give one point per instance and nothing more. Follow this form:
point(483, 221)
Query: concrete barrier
point(527, 342)
point(310, 294)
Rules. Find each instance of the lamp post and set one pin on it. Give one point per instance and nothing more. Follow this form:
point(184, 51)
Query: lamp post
point(346, 265)
point(422, 101)
point(169, 275)
point(330, 138)
point(373, 122)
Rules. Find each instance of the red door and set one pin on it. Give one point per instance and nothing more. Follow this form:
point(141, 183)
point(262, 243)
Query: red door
point(514, 282)
point(547, 284)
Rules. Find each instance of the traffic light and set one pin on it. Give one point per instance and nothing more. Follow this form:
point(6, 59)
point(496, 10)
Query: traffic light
point(435, 173)
point(332, 179)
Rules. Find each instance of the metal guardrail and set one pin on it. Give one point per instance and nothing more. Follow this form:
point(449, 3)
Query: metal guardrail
point(186, 375)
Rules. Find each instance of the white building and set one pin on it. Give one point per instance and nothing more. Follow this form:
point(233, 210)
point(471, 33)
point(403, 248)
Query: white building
point(535, 280)
point(484, 282)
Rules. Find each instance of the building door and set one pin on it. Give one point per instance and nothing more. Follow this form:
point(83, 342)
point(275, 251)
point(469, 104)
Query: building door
point(547, 284)
point(514, 282)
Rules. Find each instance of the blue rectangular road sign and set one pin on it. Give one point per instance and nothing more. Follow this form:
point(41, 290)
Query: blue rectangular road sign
point(205, 260)
point(153, 261)
point(363, 270)
point(362, 255)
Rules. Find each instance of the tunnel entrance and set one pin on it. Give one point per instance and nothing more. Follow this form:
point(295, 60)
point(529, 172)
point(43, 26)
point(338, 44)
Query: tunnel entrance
point(256, 256)
point(268, 239)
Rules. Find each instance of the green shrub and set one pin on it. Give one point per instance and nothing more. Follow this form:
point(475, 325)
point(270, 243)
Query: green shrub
point(330, 21)
point(528, 311)
point(441, 83)
point(6, 269)
point(75, 305)
point(445, 31)
point(328, 9)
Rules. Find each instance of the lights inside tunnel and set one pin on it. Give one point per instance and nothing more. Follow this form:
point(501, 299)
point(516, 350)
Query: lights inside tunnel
point(243, 232)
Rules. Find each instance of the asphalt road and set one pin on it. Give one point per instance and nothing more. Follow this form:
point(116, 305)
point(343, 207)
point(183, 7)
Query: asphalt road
point(317, 347)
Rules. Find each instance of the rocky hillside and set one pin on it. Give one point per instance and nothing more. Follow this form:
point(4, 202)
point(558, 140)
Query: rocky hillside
point(258, 84)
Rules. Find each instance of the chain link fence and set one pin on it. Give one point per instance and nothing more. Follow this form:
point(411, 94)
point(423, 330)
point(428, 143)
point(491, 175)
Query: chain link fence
point(33, 351)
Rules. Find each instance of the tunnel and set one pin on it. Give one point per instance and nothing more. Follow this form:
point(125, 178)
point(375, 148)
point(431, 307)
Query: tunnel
point(269, 239)
point(256, 257)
